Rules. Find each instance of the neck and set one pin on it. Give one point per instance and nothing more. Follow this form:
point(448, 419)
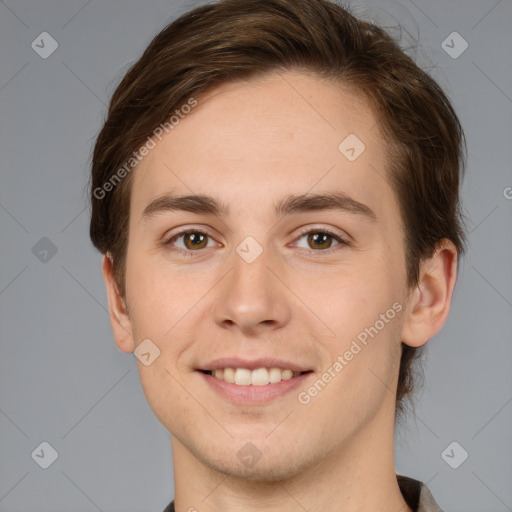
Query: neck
point(359, 475)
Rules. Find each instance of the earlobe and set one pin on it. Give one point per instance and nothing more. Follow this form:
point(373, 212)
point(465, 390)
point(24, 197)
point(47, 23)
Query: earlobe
point(429, 303)
point(119, 316)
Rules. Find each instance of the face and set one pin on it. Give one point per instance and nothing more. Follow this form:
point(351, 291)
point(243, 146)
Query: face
point(316, 287)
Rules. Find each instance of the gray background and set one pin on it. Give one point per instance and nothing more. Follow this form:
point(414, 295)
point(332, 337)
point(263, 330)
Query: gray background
point(63, 380)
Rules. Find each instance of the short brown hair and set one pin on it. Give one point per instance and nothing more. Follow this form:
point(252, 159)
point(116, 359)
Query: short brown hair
point(239, 39)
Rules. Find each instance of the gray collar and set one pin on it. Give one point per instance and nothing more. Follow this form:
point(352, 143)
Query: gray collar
point(417, 495)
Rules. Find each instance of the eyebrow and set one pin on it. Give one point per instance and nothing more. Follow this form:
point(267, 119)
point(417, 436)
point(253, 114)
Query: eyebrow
point(203, 204)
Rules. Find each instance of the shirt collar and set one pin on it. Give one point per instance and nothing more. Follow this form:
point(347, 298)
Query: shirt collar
point(417, 495)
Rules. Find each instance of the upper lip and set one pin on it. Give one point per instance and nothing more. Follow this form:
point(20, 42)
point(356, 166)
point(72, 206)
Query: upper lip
point(253, 364)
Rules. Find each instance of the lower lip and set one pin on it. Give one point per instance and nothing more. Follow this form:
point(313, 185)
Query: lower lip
point(252, 394)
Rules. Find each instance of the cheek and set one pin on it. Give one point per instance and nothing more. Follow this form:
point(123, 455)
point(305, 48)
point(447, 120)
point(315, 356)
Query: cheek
point(162, 302)
point(362, 366)
point(356, 298)
point(359, 385)
point(158, 295)
point(363, 310)
point(164, 394)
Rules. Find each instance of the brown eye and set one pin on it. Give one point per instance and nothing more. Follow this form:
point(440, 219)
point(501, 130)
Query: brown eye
point(193, 240)
point(321, 240)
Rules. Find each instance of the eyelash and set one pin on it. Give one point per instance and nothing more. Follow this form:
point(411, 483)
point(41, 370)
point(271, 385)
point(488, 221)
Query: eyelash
point(167, 243)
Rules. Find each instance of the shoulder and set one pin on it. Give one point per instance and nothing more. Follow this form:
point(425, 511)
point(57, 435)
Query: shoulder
point(417, 495)
point(170, 507)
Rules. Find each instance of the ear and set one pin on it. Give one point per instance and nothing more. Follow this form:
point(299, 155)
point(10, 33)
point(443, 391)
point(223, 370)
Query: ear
point(429, 303)
point(119, 317)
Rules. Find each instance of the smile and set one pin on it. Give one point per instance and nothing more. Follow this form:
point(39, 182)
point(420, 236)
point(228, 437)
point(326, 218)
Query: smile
point(256, 377)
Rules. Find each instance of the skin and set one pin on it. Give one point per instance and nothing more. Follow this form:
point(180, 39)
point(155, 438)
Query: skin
point(250, 144)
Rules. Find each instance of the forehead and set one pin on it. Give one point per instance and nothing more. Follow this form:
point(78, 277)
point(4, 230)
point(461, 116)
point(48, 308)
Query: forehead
point(252, 142)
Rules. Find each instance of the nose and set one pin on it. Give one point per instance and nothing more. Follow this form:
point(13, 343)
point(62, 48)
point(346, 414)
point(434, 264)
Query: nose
point(251, 298)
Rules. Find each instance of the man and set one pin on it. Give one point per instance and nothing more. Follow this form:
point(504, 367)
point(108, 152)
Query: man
point(276, 193)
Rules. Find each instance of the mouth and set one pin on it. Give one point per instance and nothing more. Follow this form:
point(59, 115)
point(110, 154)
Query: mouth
point(258, 377)
point(257, 387)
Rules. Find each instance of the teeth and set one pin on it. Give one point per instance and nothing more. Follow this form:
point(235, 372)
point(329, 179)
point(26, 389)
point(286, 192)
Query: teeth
point(229, 374)
point(286, 374)
point(274, 375)
point(242, 376)
point(258, 377)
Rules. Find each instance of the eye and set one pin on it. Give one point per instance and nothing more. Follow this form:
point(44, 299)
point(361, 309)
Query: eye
point(193, 240)
point(320, 239)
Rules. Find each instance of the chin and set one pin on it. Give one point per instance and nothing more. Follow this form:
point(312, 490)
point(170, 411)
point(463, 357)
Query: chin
point(264, 464)
point(264, 471)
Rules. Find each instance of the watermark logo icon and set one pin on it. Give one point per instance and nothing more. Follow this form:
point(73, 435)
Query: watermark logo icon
point(249, 454)
point(44, 250)
point(44, 45)
point(454, 45)
point(249, 249)
point(454, 455)
point(146, 352)
point(44, 455)
point(351, 147)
